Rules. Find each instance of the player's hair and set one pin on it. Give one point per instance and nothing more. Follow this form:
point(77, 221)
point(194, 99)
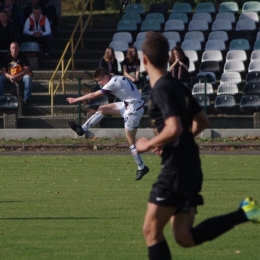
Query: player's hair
point(106, 56)
point(129, 55)
point(100, 73)
point(36, 7)
point(156, 48)
point(179, 50)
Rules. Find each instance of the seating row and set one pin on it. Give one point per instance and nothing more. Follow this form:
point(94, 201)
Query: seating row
point(193, 25)
point(229, 101)
point(204, 7)
point(252, 16)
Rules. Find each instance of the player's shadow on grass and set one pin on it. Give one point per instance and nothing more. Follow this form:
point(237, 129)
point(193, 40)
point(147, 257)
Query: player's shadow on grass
point(59, 218)
point(10, 201)
point(239, 179)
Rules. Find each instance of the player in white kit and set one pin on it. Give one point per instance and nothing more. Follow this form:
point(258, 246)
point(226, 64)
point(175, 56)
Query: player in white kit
point(131, 109)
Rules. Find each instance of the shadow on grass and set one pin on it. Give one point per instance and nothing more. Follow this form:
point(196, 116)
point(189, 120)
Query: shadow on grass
point(60, 218)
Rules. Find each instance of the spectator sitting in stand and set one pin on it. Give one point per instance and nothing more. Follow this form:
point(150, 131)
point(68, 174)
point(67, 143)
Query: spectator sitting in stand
point(8, 32)
point(29, 8)
point(131, 65)
point(37, 29)
point(109, 61)
point(16, 67)
point(179, 63)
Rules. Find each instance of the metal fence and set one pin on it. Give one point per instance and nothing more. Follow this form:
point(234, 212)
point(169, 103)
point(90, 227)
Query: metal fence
point(227, 102)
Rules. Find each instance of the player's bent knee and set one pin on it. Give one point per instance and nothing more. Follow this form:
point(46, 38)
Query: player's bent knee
point(184, 239)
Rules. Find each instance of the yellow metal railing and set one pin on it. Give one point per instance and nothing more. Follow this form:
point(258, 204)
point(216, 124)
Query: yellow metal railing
point(61, 63)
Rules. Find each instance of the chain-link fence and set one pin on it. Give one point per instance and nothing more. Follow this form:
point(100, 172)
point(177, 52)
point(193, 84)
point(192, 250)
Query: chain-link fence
point(229, 103)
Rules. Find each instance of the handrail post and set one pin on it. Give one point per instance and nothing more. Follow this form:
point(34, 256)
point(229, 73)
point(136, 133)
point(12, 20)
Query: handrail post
point(81, 29)
point(62, 76)
point(72, 54)
point(205, 95)
point(79, 103)
point(91, 6)
point(52, 99)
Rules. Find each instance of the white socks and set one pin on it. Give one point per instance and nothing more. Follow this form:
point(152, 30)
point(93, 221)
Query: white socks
point(137, 157)
point(93, 120)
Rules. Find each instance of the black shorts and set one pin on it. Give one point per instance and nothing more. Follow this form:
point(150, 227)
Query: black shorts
point(179, 183)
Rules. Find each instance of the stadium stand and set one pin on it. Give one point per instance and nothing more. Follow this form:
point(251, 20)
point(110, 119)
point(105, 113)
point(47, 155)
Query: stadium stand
point(175, 36)
point(179, 16)
point(119, 45)
point(202, 16)
point(194, 35)
point(225, 101)
point(226, 16)
point(192, 55)
point(205, 7)
point(228, 7)
point(251, 6)
point(198, 25)
point(159, 8)
point(132, 16)
point(218, 35)
point(150, 25)
point(236, 55)
point(182, 8)
point(201, 100)
point(123, 36)
point(249, 16)
point(199, 88)
point(127, 25)
point(155, 17)
point(212, 55)
point(191, 45)
point(227, 88)
point(135, 8)
point(174, 25)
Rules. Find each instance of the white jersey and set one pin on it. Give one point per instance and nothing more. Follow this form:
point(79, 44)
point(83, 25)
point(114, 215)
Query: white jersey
point(124, 89)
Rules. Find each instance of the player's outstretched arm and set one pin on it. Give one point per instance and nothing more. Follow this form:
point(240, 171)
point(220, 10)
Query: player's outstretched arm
point(88, 96)
point(171, 131)
point(199, 123)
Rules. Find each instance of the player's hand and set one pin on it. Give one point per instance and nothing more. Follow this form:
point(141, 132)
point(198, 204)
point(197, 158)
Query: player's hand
point(157, 150)
point(72, 100)
point(142, 145)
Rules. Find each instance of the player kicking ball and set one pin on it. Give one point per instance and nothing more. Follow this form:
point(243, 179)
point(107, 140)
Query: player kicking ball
point(177, 118)
point(131, 109)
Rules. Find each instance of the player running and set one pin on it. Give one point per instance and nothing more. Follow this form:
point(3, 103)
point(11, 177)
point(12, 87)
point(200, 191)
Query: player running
point(131, 109)
point(177, 118)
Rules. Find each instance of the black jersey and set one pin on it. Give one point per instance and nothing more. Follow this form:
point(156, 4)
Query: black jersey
point(169, 97)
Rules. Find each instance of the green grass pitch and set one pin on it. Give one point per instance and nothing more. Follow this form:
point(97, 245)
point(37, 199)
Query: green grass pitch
point(89, 207)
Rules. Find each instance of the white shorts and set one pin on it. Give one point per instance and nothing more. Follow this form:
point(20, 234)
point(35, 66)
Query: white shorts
point(131, 117)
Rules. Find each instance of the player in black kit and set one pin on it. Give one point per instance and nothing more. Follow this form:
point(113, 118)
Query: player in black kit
point(177, 119)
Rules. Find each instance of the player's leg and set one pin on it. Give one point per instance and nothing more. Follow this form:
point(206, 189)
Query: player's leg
point(131, 124)
point(156, 218)
point(211, 228)
point(182, 225)
point(108, 109)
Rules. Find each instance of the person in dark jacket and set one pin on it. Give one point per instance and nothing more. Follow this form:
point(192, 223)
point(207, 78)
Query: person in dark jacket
point(109, 61)
point(8, 32)
point(179, 63)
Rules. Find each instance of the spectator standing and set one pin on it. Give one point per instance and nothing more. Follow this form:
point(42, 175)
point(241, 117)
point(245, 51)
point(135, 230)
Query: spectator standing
point(179, 63)
point(12, 11)
point(109, 61)
point(8, 32)
point(16, 67)
point(131, 65)
point(37, 29)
